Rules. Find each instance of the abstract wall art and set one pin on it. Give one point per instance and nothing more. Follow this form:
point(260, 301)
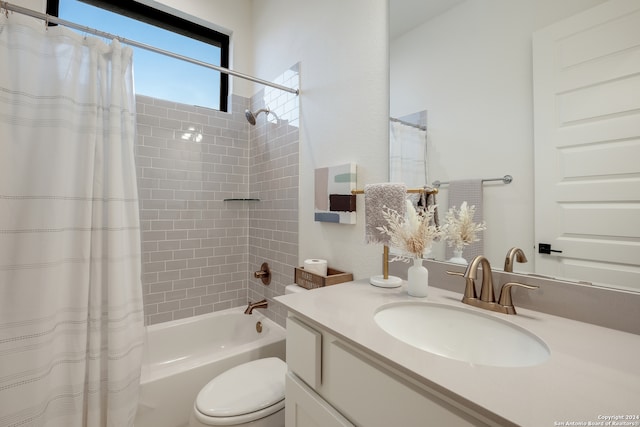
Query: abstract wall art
point(334, 201)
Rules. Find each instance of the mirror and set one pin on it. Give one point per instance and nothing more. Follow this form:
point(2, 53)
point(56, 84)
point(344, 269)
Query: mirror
point(468, 63)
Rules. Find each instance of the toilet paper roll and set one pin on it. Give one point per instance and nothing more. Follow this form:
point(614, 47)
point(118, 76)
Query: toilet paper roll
point(316, 266)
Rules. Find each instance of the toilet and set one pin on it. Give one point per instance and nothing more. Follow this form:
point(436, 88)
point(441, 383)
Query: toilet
point(250, 394)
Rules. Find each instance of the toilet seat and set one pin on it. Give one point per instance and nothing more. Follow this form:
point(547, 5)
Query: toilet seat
point(242, 394)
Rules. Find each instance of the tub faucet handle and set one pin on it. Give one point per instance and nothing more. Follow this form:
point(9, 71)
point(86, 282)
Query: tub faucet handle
point(263, 274)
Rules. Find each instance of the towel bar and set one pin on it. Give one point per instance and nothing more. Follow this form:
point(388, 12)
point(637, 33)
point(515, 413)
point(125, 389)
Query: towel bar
point(507, 179)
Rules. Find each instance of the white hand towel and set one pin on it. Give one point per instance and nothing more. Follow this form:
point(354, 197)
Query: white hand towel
point(376, 198)
point(469, 190)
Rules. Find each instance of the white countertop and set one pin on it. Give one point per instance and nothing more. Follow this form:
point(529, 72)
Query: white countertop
point(592, 372)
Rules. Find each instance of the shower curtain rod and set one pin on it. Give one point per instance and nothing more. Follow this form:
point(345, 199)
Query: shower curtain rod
point(55, 20)
point(413, 125)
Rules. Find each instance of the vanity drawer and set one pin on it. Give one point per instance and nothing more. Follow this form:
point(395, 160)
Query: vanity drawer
point(304, 352)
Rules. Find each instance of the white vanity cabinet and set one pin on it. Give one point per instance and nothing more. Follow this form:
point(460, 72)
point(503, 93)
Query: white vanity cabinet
point(332, 383)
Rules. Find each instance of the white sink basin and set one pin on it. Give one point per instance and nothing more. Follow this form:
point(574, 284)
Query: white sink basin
point(462, 334)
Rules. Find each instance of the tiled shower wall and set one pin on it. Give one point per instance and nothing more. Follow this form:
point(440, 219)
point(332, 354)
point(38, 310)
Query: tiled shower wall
point(274, 179)
point(189, 159)
point(199, 251)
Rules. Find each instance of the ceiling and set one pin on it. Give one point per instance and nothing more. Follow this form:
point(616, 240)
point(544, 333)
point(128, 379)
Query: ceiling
point(404, 15)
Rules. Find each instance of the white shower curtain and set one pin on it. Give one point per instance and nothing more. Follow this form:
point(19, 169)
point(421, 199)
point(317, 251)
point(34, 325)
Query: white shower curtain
point(71, 320)
point(407, 154)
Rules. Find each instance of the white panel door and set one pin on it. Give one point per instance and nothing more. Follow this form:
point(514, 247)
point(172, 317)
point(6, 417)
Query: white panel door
point(586, 72)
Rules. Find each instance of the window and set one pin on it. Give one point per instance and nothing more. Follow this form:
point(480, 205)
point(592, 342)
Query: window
point(157, 75)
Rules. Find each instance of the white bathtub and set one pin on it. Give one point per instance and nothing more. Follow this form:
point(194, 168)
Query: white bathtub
point(183, 355)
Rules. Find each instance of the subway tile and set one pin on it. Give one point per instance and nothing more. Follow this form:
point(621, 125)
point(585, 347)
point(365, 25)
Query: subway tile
point(185, 195)
point(161, 287)
point(144, 183)
point(150, 309)
point(190, 244)
point(190, 273)
point(168, 306)
point(161, 256)
point(163, 103)
point(210, 299)
point(176, 175)
point(176, 295)
point(159, 318)
point(154, 267)
point(146, 151)
point(203, 309)
point(161, 225)
point(198, 234)
point(154, 298)
point(184, 224)
point(168, 214)
point(222, 306)
point(154, 173)
point(228, 295)
point(197, 292)
point(169, 184)
point(144, 119)
point(196, 262)
point(169, 123)
point(189, 302)
point(182, 314)
point(176, 204)
point(216, 290)
point(150, 141)
point(149, 277)
point(167, 245)
point(183, 284)
point(177, 114)
point(176, 265)
point(210, 271)
point(168, 275)
point(153, 204)
point(147, 214)
point(150, 236)
point(204, 281)
point(207, 237)
point(149, 247)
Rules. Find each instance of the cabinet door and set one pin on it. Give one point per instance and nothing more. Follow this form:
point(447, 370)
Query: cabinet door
point(372, 396)
point(304, 352)
point(304, 408)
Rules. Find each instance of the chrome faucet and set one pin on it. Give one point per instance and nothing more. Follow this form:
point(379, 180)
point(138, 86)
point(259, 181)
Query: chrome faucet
point(259, 304)
point(487, 298)
point(514, 254)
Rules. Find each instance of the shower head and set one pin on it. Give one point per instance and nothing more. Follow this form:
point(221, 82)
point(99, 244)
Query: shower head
point(251, 117)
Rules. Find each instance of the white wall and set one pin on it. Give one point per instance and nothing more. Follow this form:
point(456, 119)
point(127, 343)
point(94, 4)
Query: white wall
point(342, 48)
point(39, 5)
point(471, 69)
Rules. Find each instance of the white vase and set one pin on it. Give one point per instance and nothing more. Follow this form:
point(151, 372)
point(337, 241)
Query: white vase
point(418, 279)
point(457, 257)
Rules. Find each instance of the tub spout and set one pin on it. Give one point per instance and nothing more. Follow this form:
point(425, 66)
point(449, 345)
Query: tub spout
point(259, 304)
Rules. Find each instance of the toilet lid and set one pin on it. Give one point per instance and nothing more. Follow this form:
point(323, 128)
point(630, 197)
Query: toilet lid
point(243, 389)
